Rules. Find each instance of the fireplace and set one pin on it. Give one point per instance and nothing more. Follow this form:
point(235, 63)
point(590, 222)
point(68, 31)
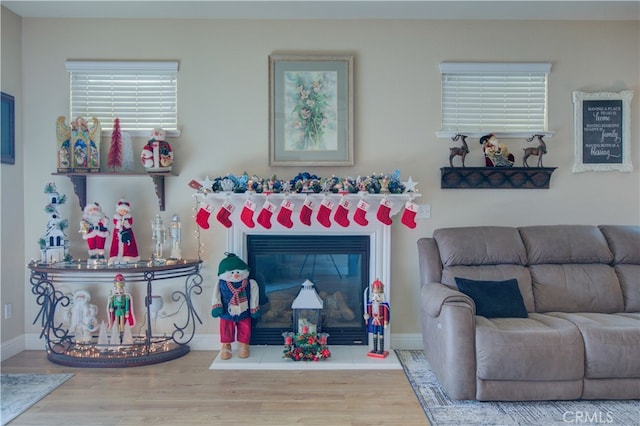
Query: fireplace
point(337, 265)
point(292, 254)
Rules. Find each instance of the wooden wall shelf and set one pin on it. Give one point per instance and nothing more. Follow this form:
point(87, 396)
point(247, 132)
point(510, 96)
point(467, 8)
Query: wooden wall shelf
point(79, 181)
point(496, 177)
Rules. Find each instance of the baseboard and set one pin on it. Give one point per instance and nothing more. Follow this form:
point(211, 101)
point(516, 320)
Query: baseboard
point(211, 342)
point(12, 347)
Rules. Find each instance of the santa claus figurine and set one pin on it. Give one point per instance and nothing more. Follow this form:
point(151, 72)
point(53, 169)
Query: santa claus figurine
point(157, 155)
point(93, 228)
point(235, 301)
point(123, 243)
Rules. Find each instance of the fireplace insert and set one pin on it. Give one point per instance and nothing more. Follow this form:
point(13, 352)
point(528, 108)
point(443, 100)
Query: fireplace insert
point(337, 265)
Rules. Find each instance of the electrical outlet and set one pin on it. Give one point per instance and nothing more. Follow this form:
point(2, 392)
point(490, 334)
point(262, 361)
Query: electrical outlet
point(424, 211)
point(8, 311)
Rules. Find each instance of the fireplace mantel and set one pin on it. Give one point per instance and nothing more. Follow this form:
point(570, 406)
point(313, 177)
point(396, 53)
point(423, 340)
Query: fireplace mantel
point(378, 232)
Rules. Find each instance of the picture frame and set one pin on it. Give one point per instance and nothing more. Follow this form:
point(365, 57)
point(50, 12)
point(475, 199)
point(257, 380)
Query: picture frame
point(310, 110)
point(602, 126)
point(8, 126)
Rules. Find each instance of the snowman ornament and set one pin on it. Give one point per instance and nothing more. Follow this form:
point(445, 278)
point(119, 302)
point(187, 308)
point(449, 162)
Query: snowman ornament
point(157, 155)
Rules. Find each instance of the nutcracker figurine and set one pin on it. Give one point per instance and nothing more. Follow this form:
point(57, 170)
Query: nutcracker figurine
point(120, 306)
point(376, 315)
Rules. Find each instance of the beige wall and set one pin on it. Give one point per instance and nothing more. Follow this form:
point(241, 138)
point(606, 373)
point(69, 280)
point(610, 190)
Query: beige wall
point(223, 101)
point(12, 184)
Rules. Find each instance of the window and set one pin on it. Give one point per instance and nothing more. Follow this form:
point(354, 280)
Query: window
point(143, 95)
point(506, 98)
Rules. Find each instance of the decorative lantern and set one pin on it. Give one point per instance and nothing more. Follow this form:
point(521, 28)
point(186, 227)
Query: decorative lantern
point(307, 309)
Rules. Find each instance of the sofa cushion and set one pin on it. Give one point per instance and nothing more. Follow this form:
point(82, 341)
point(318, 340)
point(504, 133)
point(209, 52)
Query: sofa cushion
point(576, 288)
point(481, 245)
point(624, 242)
point(494, 299)
point(611, 343)
point(565, 244)
point(540, 347)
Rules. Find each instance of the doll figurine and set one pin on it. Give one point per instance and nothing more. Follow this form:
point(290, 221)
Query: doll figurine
point(83, 316)
point(120, 306)
point(93, 228)
point(377, 317)
point(123, 243)
point(235, 302)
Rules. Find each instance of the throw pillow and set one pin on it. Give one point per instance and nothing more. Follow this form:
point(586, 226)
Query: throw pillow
point(494, 299)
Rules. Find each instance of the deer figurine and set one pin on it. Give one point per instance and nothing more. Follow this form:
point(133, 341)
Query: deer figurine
point(462, 151)
point(540, 150)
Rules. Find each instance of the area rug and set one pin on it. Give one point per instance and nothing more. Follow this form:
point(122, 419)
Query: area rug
point(441, 410)
point(267, 357)
point(21, 391)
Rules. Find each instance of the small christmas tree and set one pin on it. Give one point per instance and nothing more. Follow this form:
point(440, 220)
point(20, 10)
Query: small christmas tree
point(115, 150)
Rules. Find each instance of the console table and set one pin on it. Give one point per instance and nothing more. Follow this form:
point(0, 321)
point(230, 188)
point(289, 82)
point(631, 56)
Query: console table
point(61, 345)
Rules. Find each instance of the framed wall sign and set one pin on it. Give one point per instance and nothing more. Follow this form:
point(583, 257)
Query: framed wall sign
point(602, 131)
point(310, 110)
point(8, 129)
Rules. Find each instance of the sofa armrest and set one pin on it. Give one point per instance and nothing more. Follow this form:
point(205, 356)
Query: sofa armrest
point(448, 334)
point(437, 295)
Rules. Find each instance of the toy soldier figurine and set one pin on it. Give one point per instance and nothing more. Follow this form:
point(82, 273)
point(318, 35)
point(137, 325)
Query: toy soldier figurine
point(377, 316)
point(120, 307)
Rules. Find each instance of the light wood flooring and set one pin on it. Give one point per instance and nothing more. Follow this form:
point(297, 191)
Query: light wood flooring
point(185, 392)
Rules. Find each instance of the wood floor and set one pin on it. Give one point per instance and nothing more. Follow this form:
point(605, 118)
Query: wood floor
point(185, 392)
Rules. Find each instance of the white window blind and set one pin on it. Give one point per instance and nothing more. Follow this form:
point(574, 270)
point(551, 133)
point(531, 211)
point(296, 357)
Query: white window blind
point(494, 97)
point(143, 95)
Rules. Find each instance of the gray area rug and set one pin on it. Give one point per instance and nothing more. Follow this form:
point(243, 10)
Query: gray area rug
point(21, 391)
point(441, 410)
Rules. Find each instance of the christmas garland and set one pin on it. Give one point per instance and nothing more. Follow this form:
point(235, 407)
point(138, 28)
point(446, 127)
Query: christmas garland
point(304, 182)
point(306, 347)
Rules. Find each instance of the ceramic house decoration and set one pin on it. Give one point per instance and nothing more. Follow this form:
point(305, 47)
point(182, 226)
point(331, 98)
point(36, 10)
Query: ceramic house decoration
point(54, 245)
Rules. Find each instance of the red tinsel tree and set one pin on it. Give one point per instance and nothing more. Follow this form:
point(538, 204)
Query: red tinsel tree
point(115, 150)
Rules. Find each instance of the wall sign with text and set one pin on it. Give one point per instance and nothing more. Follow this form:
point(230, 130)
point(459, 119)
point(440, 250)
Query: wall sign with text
point(602, 126)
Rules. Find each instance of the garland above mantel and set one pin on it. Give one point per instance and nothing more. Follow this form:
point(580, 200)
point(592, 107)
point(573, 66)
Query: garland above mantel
point(316, 200)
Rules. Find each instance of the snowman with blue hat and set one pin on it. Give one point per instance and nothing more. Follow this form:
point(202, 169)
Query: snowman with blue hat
point(235, 301)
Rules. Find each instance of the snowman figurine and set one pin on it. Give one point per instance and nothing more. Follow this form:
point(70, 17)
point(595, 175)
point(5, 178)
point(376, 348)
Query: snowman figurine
point(235, 301)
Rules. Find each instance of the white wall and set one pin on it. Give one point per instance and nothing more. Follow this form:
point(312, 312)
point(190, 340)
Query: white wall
point(11, 206)
point(223, 101)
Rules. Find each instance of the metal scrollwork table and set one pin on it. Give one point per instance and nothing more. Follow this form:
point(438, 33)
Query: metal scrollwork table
point(148, 349)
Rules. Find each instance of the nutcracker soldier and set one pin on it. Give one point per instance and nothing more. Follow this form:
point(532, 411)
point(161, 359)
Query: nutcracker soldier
point(120, 306)
point(376, 315)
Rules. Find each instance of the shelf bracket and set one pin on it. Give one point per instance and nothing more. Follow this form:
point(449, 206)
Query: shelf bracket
point(158, 182)
point(80, 188)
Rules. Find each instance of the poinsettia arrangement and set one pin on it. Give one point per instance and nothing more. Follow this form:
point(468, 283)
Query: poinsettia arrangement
point(306, 347)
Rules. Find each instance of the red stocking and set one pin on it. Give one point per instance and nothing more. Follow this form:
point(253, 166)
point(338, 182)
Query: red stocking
point(224, 213)
point(246, 216)
point(264, 217)
point(324, 213)
point(342, 212)
point(305, 212)
point(409, 214)
point(361, 212)
point(202, 217)
point(284, 214)
point(384, 211)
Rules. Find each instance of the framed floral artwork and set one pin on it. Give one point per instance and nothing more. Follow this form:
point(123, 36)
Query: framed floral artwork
point(311, 110)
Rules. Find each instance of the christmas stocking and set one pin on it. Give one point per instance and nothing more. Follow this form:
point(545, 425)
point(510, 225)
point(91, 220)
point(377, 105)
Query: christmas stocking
point(264, 217)
point(342, 212)
point(359, 216)
point(324, 213)
point(202, 217)
point(223, 214)
point(409, 214)
point(384, 211)
point(246, 215)
point(284, 214)
point(305, 212)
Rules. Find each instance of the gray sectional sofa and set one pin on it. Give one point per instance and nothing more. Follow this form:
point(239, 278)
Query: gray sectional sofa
point(533, 313)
